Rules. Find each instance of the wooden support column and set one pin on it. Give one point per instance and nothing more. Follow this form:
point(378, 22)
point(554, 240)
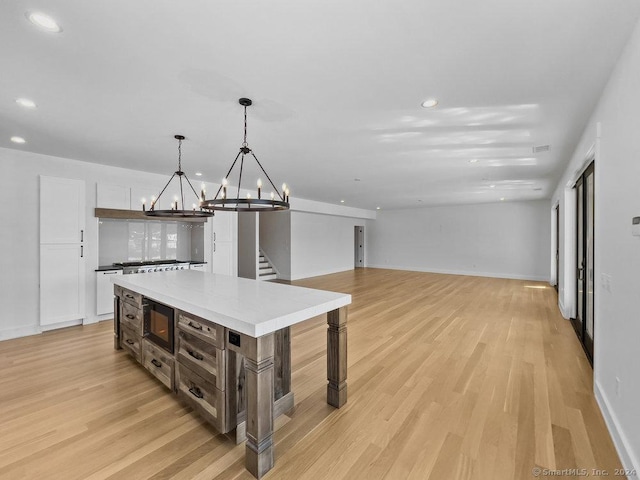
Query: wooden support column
point(259, 371)
point(337, 357)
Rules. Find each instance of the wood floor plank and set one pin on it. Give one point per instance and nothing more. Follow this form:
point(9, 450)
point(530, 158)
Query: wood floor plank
point(450, 377)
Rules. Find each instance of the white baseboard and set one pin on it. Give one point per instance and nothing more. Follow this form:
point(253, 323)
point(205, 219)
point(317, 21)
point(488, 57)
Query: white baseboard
point(563, 311)
point(620, 441)
point(97, 318)
point(319, 273)
point(54, 326)
point(511, 276)
point(17, 332)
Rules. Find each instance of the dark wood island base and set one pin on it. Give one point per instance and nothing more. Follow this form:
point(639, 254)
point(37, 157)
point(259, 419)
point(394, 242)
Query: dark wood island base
point(237, 382)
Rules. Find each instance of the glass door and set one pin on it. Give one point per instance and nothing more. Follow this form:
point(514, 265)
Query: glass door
point(589, 266)
point(557, 247)
point(584, 321)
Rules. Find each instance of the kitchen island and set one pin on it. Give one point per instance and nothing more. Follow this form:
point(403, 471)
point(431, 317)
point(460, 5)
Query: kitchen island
point(228, 351)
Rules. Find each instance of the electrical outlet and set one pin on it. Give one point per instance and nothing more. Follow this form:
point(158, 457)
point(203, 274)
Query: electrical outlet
point(618, 388)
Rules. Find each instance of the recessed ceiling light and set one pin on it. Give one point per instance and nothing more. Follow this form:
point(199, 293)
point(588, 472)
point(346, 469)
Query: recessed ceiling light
point(341, 201)
point(43, 22)
point(198, 174)
point(492, 186)
point(473, 160)
point(430, 103)
point(18, 140)
point(377, 208)
point(25, 102)
point(502, 199)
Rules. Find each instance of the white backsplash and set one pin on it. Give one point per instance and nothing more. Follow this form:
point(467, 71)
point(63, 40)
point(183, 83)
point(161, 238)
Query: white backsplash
point(143, 240)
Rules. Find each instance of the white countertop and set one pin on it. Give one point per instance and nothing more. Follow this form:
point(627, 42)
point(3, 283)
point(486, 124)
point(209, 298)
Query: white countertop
point(252, 307)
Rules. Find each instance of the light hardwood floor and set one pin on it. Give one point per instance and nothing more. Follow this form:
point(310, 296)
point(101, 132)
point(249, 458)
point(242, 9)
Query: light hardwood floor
point(449, 377)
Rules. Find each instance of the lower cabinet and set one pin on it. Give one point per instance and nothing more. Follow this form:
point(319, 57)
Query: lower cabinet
point(203, 397)
point(159, 362)
point(202, 371)
point(130, 341)
point(104, 291)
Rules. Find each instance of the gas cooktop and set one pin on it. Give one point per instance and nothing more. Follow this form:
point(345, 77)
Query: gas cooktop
point(148, 262)
point(152, 266)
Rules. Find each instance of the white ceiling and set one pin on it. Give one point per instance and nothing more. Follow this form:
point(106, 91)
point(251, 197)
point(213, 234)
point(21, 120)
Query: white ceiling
point(336, 85)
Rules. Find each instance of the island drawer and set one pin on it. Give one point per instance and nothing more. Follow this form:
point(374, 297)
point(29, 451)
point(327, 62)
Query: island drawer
point(159, 362)
point(130, 341)
point(132, 317)
point(202, 396)
point(203, 358)
point(205, 331)
point(133, 298)
point(117, 290)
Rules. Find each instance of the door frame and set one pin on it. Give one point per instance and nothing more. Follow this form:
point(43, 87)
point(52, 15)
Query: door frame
point(579, 324)
point(358, 246)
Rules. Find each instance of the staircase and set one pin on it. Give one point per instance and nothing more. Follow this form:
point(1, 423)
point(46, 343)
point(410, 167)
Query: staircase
point(265, 270)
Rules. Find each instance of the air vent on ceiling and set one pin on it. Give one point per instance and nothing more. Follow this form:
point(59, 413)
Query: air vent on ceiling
point(541, 148)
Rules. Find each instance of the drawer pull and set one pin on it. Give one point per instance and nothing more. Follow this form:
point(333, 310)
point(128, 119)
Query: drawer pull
point(130, 342)
point(129, 296)
point(195, 355)
point(195, 391)
point(129, 316)
point(195, 325)
point(156, 363)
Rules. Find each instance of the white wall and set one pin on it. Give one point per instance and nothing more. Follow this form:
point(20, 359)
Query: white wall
point(19, 241)
point(322, 244)
point(275, 241)
point(508, 239)
point(612, 133)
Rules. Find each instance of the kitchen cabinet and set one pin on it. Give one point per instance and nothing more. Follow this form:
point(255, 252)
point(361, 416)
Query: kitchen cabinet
point(62, 255)
point(104, 291)
point(62, 283)
point(113, 196)
point(230, 363)
point(223, 258)
point(224, 226)
point(62, 213)
point(221, 235)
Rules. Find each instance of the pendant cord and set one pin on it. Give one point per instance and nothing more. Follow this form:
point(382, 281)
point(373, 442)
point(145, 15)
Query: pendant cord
point(244, 144)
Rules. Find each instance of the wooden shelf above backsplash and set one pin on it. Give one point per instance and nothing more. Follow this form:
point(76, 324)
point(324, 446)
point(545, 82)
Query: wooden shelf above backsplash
point(139, 215)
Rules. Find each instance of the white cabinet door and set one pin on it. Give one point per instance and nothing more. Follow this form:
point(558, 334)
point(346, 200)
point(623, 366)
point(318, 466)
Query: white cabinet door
point(61, 283)
point(224, 226)
point(62, 260)
point(223, 258)
point(61, 210)
point(113, 196)
point(104, 291)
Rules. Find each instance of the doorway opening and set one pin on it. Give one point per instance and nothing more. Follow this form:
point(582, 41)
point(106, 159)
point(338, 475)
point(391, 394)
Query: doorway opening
point(358, 245)
point(584, 321)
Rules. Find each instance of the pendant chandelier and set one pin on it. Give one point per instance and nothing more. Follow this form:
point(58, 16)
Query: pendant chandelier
point(276, 200)
point(196, 210)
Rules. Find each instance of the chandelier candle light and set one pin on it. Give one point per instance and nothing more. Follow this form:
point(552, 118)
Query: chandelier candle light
point(221, 201)
point(175, 212)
